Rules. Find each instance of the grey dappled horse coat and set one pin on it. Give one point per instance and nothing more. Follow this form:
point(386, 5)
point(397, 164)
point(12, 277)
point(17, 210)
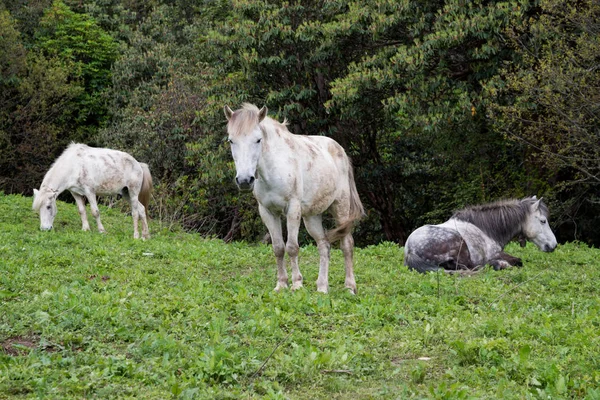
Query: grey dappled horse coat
point(476, 236)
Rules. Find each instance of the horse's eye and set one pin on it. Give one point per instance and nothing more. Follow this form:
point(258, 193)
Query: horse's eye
point(48, 207)
point(543, 221)
point(258, 141)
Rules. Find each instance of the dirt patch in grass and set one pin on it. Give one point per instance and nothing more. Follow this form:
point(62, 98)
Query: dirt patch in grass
point(21, 345)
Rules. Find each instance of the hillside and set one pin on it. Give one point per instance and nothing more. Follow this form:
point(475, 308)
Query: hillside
point(179, 316)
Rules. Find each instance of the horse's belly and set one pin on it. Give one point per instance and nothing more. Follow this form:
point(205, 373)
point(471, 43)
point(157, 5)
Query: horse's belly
point(317, 204)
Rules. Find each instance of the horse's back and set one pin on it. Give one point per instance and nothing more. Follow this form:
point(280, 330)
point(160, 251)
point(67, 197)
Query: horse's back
point(106, 171)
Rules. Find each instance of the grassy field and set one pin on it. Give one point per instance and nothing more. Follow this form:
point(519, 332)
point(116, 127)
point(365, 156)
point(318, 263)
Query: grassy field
point(85, 315)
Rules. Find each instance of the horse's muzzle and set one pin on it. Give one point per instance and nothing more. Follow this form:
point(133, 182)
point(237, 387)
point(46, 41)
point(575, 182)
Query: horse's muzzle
point(245, 184)
point(549, 249)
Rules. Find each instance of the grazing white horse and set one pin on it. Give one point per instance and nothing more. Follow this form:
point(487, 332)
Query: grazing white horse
point(295, 177)
point(88, 171)
point(476, 236)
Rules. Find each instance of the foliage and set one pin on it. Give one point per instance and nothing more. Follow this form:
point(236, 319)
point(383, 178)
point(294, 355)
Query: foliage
point(553, 104)
point(88, 52)
point(427, 98)
point(36, 107)
point(53, 93)
point(91, 315)
point(415, 109)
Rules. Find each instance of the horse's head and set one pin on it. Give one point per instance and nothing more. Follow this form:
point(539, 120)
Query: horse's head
point(245, 136)
point(536, 227)
point(44, 201)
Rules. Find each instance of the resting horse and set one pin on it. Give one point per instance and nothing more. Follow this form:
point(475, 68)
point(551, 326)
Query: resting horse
point(295, 177)
point(89, 171)
point(476, 236)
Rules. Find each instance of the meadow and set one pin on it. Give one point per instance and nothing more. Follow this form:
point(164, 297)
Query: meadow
point(85, 315)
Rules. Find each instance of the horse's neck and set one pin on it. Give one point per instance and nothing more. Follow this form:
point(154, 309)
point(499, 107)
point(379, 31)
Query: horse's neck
point(276, 140)
point(55, 179)
point(501, 236)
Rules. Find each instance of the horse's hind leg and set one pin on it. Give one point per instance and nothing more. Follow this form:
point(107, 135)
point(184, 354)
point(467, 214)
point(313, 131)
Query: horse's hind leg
point(143, 217)
point(314, 226)
point(85, 225)
point(138, 211)
point(347, 246)
point(340, 211)
point(95, 211)
point(273, 223)
point(135, 215)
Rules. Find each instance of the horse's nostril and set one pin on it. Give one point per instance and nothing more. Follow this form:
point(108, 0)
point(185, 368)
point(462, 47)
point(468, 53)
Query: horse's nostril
point(251, 180)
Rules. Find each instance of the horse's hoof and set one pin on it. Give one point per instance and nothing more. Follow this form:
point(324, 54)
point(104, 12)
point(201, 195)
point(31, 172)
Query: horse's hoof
point(351, 290)
point(322, 289)
point(280, 286)
point(502, 265)
point(297, 285)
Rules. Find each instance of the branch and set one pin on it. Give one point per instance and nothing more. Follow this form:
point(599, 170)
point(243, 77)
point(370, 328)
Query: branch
point(271, 355)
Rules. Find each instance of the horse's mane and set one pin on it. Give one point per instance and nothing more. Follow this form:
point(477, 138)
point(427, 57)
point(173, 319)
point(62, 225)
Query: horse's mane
point(244, 120)
point(37, 202)
point(500, 220)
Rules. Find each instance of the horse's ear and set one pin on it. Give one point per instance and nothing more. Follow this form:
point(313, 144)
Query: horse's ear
point(534, 197)
point(35, 193)
point(536, 205)
point(228, 112)
point(262, 113)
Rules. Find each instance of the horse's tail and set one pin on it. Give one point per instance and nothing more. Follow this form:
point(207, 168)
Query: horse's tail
point(146, 190)
point(413, 261)
point(356, 211)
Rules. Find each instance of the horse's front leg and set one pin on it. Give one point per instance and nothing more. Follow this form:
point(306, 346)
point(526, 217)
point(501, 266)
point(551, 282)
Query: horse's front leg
point(294, 216)
point(314, 226)
point(504, 260)
point(85, 225)
point(512, 260)
point(273, 223)
point(95, 211)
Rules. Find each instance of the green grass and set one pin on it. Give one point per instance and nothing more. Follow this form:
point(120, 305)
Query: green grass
point(85, 315)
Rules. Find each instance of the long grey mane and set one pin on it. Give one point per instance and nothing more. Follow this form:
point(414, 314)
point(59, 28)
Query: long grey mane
point(501, 220)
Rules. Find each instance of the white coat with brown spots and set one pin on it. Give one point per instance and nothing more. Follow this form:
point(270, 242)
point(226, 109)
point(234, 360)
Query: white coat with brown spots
point(298, 178)
point(88, 171)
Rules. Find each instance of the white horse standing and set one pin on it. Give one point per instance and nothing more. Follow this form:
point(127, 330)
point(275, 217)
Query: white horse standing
point(297, 177)
point(476, 236)
point(88, 171)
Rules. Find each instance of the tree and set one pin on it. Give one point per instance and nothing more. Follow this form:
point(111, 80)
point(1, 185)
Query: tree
point(415, 109)
point(551, 104)
point(78, 41)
